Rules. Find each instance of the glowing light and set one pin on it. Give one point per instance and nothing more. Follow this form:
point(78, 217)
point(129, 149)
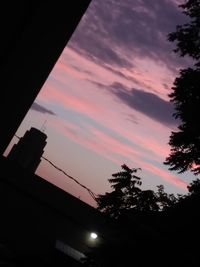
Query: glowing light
point(93, 235)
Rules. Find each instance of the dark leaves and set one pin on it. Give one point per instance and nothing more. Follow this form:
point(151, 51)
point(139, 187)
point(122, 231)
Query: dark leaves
point(127, 195)
point(185, 143)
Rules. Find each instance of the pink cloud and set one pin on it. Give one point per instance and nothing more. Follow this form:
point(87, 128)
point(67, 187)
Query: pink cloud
point(82, 105)
point(61, 66)
point(92, 144)
point(165, 175)
point(109, 114)
point(108, 118)
point(99, 142)
point(59, 124)
point(74, 132)
point(109, 147)
point(147, 74)
point(98, 71)
point(145, 141)
point(114, 145)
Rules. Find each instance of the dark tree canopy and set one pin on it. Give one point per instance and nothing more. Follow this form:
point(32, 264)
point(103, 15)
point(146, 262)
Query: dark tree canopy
point(194, 187)
point(124, 196)
point(128, 196)
point(187, 36)
point(165, 200)
point(185, 142)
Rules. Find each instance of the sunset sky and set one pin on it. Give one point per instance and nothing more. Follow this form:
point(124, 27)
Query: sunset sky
point(106, 101)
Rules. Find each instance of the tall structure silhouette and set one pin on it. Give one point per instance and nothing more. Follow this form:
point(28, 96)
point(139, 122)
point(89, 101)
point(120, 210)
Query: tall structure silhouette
point(29, 150)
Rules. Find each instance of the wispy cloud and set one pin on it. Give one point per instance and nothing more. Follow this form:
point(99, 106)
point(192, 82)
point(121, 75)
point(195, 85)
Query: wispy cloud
point(166, 175)
point(105, 117)
point(113, 149)
point(130, 48)
point(35, 106)
point(133, 29)
point(147, 103)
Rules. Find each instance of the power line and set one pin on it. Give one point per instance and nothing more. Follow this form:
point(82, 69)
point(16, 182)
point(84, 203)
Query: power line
point(92, 194)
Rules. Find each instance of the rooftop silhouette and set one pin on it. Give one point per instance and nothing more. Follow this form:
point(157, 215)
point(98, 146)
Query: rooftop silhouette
point(29, 150)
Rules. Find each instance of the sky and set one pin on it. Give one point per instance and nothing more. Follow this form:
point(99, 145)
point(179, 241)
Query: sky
point(106, 101)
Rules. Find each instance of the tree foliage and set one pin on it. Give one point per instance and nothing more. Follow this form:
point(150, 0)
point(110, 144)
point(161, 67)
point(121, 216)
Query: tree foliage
point(127, 195)
point(165, 200)
point(194, 187)
point(124, 196)
point(187, 36)
point(185, 142)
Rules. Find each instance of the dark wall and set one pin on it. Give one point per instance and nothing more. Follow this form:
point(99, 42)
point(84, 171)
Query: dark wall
point(34, 214)
point(33, 35)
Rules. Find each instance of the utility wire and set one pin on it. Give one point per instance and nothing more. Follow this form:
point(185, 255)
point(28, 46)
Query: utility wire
point(92, 194)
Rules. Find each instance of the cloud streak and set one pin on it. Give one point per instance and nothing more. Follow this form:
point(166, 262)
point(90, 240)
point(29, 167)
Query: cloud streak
point(166, 175)
point(147, 103)
point(105, 118)
point(35, 106)
point(133, 29)
point(111, 148)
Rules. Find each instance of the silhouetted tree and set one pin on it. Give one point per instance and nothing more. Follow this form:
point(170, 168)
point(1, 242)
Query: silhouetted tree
point(165, 200)
point(194, 187)
point(131, 207)
point(124, 195)
point(147, 201)
point(185, 142)
point(128, 196)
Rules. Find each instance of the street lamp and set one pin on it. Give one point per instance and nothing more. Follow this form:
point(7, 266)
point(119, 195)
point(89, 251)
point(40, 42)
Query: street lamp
point(93, 236)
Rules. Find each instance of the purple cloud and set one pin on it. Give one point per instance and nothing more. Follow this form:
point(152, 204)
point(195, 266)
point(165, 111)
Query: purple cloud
point(113, 32)
point(147, 103)
point(35, 106)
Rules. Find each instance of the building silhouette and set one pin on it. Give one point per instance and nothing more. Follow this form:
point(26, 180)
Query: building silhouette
point(29, 150)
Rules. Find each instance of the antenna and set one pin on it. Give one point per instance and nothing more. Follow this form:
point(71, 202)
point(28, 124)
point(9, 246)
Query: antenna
point(43, 128)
